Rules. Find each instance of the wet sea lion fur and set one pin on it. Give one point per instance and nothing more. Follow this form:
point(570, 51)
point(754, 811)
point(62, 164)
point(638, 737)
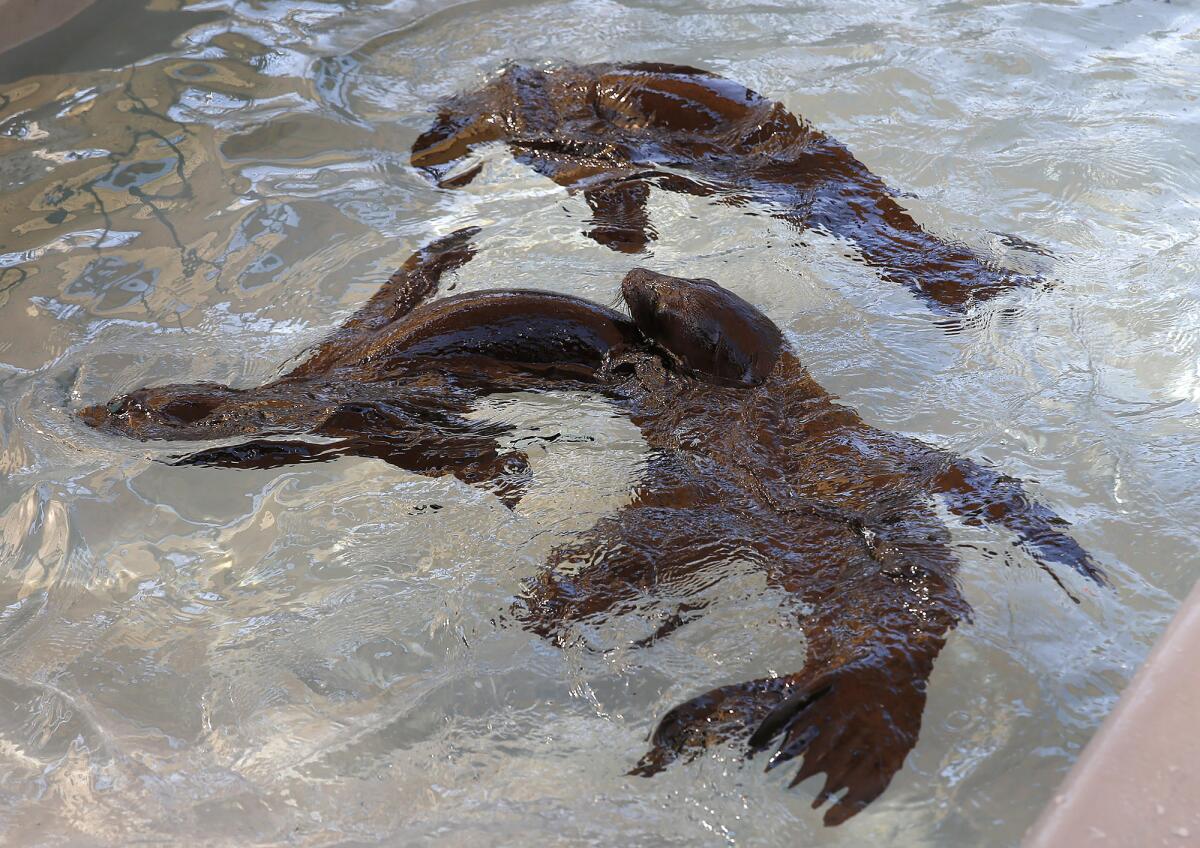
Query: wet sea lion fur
point(753, 461)
point(394, 381)
point(750, 459)
point(614, 132)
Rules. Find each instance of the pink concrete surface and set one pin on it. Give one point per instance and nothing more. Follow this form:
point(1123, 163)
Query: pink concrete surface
point(22, 20)
point(1137, 783)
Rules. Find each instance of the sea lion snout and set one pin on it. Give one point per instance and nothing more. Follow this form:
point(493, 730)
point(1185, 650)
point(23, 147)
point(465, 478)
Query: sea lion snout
point(158, 412)
point(710, 330)
point(122, 414)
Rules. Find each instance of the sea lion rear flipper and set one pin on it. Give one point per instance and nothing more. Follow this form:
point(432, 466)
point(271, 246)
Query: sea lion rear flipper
point(875, 618)
point(415, 281)
point(979, 495)
point(843, 198)
point(854, 723)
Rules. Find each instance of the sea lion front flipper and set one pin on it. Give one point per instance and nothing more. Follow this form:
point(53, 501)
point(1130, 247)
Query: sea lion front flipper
point(504, 474)
point(429, 442)
point(677, 526)
point(262, 453)
point(978, 494)
point(612, 584)
point(415, 281)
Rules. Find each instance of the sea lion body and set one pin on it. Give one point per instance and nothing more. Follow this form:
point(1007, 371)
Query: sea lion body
point(749, 459)
point(514, 326)
point(394, 381)
point(615, 131)
point(754, 461)
point(486, 340)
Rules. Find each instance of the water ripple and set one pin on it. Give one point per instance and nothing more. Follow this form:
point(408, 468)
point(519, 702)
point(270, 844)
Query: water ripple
point(331, 654)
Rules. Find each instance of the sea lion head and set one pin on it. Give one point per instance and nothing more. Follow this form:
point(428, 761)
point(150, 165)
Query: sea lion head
point(707, 329)
point(163, 412)
point(510, 103)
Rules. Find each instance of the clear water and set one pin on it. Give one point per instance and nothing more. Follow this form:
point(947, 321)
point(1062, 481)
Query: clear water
point(317, 656)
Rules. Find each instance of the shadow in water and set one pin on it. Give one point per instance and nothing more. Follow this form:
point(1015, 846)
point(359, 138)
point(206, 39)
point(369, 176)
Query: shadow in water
point(98, 38)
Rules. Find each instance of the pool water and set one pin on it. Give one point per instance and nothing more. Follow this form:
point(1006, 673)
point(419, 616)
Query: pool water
point(326, 654)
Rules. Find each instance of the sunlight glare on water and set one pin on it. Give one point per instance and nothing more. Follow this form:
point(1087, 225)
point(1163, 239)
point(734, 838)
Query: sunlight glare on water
point(326, 654)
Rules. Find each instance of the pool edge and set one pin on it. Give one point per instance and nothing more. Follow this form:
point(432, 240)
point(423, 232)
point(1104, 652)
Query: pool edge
point(26, 20)
point(1137, 782)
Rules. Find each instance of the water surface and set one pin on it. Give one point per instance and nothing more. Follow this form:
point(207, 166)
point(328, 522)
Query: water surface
point(325, 654)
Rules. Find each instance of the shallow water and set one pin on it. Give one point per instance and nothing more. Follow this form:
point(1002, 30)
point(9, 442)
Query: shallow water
point(325, 654)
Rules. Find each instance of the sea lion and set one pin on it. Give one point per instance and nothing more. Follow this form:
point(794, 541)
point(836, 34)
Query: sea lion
point(753, 460)
point(613, 131)
point(394, 381)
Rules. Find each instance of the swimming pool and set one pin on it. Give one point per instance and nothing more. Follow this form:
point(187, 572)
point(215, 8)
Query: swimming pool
point(318, 654)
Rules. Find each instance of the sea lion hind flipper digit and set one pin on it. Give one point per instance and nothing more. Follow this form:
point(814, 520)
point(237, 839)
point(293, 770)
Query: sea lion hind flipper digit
point(780, 717)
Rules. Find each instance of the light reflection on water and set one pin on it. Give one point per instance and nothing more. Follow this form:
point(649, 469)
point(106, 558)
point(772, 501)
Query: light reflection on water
point(326, 653)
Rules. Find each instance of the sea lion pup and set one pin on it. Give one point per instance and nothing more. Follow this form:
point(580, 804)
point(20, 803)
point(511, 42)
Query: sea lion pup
point(754, 462)
point(394, 381)
point(613, 131)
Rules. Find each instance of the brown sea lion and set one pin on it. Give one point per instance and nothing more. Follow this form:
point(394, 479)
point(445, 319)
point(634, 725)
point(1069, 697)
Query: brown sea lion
point(613, 131)
point(754, 461)
point(394, 381)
